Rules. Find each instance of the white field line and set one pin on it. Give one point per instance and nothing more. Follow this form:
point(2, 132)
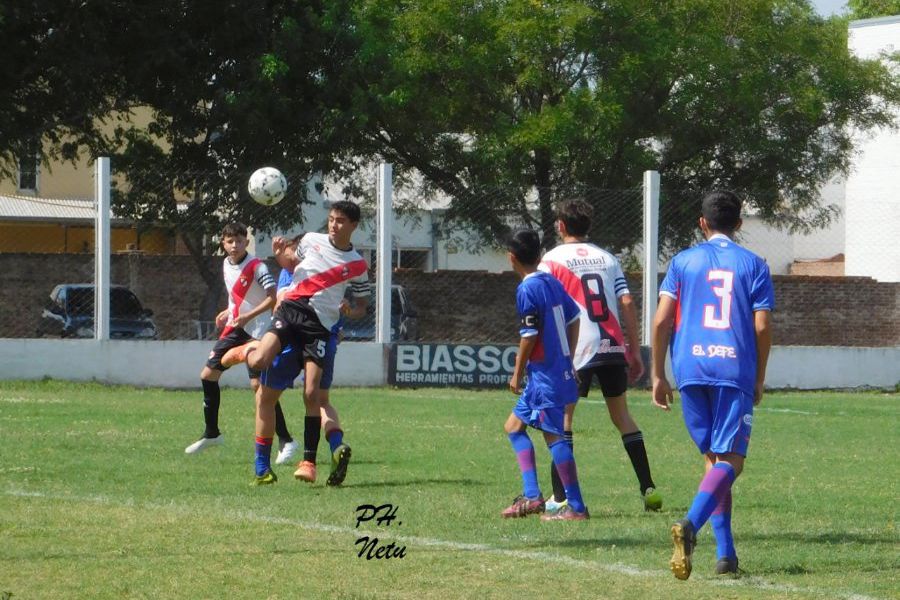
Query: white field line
point(527, 555)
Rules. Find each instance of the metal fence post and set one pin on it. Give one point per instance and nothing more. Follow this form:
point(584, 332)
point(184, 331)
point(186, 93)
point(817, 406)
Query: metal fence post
point(651, 252)
point(383, 267)
point(101, 249)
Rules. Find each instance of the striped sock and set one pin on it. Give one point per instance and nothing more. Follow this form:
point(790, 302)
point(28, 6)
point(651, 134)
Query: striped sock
point(524, 450)
point(559, 491)
point(263, 455)
point(335, 438)
point(713, 488)
point(720, 521)
point(565, 466)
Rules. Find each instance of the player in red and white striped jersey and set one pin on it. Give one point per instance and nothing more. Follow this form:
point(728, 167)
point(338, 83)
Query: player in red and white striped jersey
point(594, 279)
point(251, 296)
point(329, 265)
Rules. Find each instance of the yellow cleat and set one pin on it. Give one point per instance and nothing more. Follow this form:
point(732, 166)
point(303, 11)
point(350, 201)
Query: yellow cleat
point(684, 539)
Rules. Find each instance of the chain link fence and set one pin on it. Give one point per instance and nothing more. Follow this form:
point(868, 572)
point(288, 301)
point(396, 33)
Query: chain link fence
point(451, 278)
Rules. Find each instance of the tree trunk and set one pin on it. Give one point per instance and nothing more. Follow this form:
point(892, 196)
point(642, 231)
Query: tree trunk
point(542, 164)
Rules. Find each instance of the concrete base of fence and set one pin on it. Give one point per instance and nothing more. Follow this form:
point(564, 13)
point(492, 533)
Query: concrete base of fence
point(177, 364)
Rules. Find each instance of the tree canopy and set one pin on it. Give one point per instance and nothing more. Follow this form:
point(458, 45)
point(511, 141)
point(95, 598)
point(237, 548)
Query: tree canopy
point(504, 107)
point(868, 9)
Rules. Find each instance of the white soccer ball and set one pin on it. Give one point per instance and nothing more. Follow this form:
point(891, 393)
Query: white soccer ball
point(267, 186)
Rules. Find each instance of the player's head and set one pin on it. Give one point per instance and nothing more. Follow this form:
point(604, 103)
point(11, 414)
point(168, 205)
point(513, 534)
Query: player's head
point(343, 218)
point(284, 250)
point(524, 247)
point(720, 213)
point(573, 218)
point(234, 239)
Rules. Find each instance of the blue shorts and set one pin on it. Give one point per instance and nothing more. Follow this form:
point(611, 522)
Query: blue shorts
point(548, 419)
point(284, 369)
point(287, 366)
point(718, 418)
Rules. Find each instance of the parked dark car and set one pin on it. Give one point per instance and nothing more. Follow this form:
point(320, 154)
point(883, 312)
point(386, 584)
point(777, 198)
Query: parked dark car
point(70, 313)
point(404, 319)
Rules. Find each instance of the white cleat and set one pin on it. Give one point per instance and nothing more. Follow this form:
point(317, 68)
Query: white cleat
point(204, 443)
point(287, 452)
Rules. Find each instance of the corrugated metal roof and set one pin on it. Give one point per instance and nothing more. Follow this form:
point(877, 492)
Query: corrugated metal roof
point(27, 208)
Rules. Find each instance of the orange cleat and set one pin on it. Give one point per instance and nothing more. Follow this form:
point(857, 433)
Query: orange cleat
point(238, 354)
point(306, 471)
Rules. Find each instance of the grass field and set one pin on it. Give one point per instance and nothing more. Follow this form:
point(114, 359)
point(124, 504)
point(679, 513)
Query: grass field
point(98, 500)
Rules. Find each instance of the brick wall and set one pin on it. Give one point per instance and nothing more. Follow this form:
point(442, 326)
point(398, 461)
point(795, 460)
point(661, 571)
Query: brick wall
point(452, 305)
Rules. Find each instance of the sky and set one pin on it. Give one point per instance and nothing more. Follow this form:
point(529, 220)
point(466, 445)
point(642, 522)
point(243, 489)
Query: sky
point(829, 7)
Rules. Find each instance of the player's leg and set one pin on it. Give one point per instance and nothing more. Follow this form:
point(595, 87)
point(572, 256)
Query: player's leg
point(260, 357)
point(697, 410)
point(553, 426)
point(280, 376)
point(530, 501)
point(266, 398)
point(331, 424)
point(558, 500)
point(614, 383)
point(312, 422)
point(209, 380)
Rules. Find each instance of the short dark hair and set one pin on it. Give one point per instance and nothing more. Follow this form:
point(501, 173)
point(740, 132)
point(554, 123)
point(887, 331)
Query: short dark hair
point(525, 245)
point(348, 207)
point(576, 216)
point(722, 210)
point(234, 229)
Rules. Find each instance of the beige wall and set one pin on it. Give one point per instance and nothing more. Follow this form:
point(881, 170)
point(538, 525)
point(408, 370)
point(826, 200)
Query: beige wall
point(58, 179)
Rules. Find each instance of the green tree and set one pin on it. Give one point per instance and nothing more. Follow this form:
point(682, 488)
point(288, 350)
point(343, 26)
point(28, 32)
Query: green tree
point(867, 9)
point(232, 87)
point(55, 86)
point(508, 106)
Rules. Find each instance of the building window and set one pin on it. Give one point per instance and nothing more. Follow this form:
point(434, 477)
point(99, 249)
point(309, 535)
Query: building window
point(28, 170)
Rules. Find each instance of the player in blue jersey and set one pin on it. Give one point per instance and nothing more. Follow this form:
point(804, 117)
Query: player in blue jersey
point(549, 334)
point(715, 307)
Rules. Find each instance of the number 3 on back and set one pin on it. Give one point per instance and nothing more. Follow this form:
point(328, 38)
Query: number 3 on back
point(723, 291)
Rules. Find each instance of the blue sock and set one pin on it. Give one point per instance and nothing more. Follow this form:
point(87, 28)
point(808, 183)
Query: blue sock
point(263, 455)
point(335, 438)
point(524, 450)
point(721, 526)
point(713, 487)
point(564, 460)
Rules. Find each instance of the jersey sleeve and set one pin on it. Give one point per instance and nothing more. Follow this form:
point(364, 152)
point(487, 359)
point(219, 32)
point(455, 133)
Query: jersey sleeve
point(670, 283)
point(762, 294)
point(529, 313)
point(263, 277)
point(360, 286)
point(620, 283)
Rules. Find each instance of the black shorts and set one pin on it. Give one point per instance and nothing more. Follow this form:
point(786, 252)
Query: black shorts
point(296, 323)
point(236, 337)
point(613, 380)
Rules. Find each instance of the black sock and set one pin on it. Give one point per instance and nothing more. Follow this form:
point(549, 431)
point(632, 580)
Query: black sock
point(311, 432)
point(281, 426)
point(634, 446)
point(559, 491)
point(211, 397)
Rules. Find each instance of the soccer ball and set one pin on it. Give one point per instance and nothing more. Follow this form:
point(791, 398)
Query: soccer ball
point(267, 186)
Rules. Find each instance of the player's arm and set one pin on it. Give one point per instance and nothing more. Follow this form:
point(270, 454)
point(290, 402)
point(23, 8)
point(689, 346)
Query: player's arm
point(265, 306)
point(526, 347)
point(661, 334)
point(762, 323)
point(633, 354)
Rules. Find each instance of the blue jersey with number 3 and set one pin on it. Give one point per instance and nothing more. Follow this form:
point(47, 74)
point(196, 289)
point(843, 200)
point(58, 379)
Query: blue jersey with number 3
point(717, 286)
